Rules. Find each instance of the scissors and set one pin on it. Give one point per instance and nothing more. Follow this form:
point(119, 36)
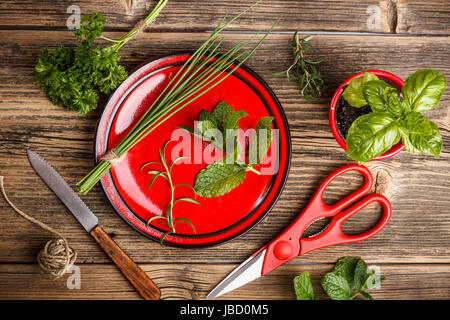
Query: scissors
point(290, 244)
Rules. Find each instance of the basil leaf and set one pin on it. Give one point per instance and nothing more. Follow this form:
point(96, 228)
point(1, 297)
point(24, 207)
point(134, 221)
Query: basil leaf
point(424, 89)
point(353, 93)
point(218, 179)
point(345, 267)
point(336, 286)
point(373, 92)
point(261, 140)
point(417, 142)
point(303, 287)
point(416, 122)
point(360, 274)
point(372, 135)
point(394, 105)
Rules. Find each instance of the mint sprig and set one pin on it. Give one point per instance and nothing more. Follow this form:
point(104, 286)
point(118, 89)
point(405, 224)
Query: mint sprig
point(349, 279)
point(220, 127)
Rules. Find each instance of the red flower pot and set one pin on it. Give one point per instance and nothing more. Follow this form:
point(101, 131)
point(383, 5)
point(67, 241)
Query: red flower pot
point(392, 78)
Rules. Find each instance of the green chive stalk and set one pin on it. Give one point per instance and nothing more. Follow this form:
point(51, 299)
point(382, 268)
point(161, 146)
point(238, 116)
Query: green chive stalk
point(148, 20)
point(203, 70)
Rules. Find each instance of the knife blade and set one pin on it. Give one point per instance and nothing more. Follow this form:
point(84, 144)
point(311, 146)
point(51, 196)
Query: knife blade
point(63, 191)
point(137, 277)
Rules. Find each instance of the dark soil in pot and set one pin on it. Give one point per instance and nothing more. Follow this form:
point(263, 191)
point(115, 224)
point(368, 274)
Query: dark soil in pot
point(346, 114)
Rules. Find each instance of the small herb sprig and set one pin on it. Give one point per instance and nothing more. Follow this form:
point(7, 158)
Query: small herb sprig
point(310, 80)
point(220, 127)
point(395, 116)
point(348, 279)
point(72, 78)
point(167, 175)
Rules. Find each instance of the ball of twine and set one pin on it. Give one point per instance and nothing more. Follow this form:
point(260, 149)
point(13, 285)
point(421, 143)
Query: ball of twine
point(56, 257)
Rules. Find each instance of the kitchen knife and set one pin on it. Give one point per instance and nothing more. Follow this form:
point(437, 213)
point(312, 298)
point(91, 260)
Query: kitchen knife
point(137, 277)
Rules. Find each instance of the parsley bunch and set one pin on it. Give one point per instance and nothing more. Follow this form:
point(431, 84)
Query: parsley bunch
point(72, 78)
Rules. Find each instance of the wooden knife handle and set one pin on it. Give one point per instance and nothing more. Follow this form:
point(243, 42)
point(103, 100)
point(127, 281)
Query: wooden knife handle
point(137, 277)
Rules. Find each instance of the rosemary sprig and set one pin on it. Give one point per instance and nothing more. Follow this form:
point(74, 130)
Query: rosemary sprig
point(203, 70)
point(310, 80)
point(167, 175)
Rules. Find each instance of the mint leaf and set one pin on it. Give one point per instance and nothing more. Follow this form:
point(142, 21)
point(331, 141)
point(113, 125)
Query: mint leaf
point(359, 274)
point(206, 125)
point(232, 120)
point(345, 267)
point(205, 115)
point(261, 140)
point(303, 287)
point(221, 113)
point(218, 179)
point(336, 286)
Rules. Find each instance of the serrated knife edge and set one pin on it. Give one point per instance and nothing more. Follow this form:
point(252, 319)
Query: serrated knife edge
point(63, 191)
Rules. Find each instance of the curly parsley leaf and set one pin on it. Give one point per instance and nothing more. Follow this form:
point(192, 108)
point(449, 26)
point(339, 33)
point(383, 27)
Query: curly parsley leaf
point(71, 78)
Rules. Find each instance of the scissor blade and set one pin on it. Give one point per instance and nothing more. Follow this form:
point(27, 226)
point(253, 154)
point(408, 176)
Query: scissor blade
point(248, 271)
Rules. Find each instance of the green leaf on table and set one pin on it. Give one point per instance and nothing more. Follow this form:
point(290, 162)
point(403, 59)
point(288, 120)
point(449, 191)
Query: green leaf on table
point(366, 295)
point(353, 93)
point(261, 140)
point(345, 267)
point(303, 287)
point(371, 135)
point(359, 274)
point(336, 286)
point(218, 179)
point(423, 89)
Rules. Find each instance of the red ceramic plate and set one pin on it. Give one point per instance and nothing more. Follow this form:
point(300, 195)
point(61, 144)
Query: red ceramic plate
point(217, 219)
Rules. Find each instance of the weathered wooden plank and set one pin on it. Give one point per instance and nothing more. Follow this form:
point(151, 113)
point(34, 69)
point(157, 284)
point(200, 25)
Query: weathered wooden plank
point(331, 15)
point(194, 281)
point(418, 232)
point(426, 17)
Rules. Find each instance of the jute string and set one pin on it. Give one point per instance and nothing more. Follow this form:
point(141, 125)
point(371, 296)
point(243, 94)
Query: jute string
point(56, 257)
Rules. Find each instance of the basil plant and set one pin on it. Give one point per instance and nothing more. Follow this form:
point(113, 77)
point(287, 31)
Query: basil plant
point(395, 116)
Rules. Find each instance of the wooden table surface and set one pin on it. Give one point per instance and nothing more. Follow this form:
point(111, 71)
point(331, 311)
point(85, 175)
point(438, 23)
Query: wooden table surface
point(412, 251)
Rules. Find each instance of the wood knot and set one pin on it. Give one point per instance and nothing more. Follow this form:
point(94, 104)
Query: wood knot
point(382, 181)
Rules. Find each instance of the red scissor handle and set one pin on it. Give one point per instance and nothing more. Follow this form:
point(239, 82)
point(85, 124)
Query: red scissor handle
point(333, 234)
point(288, 244)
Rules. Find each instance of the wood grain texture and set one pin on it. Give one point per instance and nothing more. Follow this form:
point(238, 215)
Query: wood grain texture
point(426, 17)
point(200, 15)
point(137, 277)
point(418, 232)
point(195, 281)
point(412, 251)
